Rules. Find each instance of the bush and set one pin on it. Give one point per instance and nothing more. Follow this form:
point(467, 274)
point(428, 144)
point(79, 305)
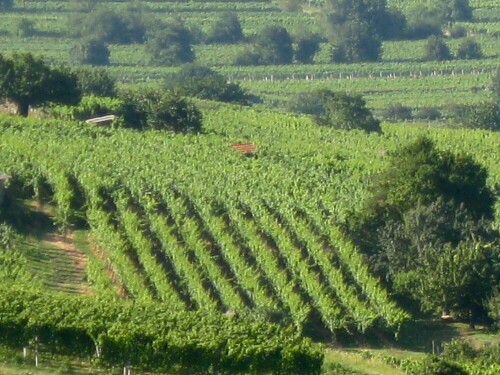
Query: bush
point(484, 116)
point(90, 106)
point(437, 366)
point(356, 43)
point(96, 82)
point(274, 45)
point(110, 26)
point(398, 112)
point(91, 52)
point(307, 47)
point(469, 49)
point(170, 45)
point(346, 112)
point(25, 28)
point(249, 57)
point(457, 31)
point(437, 49)
point(6, 4)
point(161, 111)
point(226, 29)
point(309, 103)
point(428, 113)
point(458, 350)
point(204, 83)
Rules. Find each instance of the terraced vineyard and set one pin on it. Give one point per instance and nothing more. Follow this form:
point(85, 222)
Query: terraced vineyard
point(401, 68)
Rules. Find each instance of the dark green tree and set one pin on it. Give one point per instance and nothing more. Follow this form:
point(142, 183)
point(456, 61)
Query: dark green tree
point(6, 4)
point(274, 45)
point(356, 28)
point(110, 26)
point(398, 112)
point(307, 47)
point(469, 49)
point(204, 83)
point(27, 82)
point(160, 111)
point(437, 49)
point(427, 229)
point(226, 29)
point(91, 52)
point(25, 28)
point(344, 111)
point(170, 45)
point(95, 82)
point(483, 116)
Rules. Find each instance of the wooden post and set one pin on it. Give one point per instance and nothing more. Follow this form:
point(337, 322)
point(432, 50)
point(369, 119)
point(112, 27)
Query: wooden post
point(36, 351)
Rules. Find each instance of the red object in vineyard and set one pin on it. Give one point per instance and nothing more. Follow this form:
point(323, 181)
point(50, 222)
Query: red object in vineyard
point(244, 148)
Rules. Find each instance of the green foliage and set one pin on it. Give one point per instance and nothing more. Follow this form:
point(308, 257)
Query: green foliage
point(483, 116)
point(96, 82)
point(91, 52)
point(398, 112)
point(225, 29)
point(346, 112)
point(428, 113)
point(25, 28)
point(356, 28)
point(469, 49)
point(90, 106)
point(170, 45)
point(154, 337)
point(204, 83)
point(307, 47)
point(161, 111)
point(428, 229)
point(495, 87)
point(6, 4)
point(27, 81)
point(493, 306)
point(436, 366)
point(110, 26)
point(274, 45)
point(437, 49)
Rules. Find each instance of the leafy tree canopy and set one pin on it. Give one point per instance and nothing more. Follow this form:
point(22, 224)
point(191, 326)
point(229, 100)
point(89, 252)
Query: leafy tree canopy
point(170, 45)
point(226, 29)
point(469, 49)
point(437, 49)
point(6, 4)
point(161, 111)
point(345, 111)
point(204, 83)
point(95, 82)
point(27, 81)
point(111, 26)
point(427, 229)
point(274, 44)
point(91, 52)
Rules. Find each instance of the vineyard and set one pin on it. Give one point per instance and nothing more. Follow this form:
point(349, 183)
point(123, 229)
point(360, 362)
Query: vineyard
point(173, 252)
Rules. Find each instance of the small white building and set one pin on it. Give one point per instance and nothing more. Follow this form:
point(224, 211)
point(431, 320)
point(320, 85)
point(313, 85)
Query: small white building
point(3, 180)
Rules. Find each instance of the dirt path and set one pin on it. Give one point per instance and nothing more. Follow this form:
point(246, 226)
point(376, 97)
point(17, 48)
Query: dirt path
point(69, 263)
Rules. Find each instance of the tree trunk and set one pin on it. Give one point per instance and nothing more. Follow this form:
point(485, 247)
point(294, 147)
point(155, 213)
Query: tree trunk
point(22, 109)
point(472, 323)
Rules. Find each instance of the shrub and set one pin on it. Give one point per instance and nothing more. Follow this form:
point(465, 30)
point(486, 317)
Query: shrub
point(91, 52)
point(346, 112)
point(226, 29)
point(398, 112)
point(428, 113)
point(484, 116)
point(274, 45)
point(457, 31)
point(6, 4)
point(437, 49)
point(249, 57)
point(170, 45)
point(96, 82)
point(204, 83)
point(25, 28)
point(307, 47)
point(437, 366)
point(469, 49)
point(161, 111)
